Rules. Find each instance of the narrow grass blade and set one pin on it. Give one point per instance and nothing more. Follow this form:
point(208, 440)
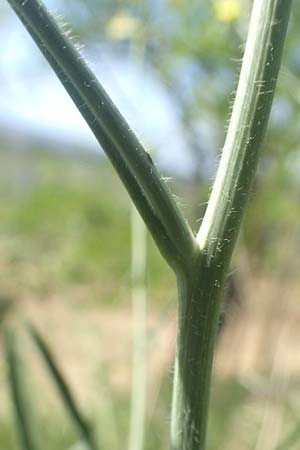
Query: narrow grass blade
point(82, 426)
point(114, 130)
point(24, 421)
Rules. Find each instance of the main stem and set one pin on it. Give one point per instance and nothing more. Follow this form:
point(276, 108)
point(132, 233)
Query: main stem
point(199, 285)
point(199, 294)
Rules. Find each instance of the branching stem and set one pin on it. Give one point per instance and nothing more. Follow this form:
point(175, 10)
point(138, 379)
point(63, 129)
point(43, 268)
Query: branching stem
point(199, 292)
point(200, 263)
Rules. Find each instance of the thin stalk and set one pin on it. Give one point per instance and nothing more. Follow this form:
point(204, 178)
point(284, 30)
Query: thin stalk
point(83, 427)
point(131, 154)
point(199, 290)
point(109, 435)
point(139, 308)
point(138, 302)
point(25, 425)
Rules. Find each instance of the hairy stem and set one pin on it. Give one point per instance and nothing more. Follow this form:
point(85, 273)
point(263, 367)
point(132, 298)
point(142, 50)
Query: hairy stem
point(90, 95)
point(199, 291)
point(198, 315)
point(251, 110)
point(200, 264)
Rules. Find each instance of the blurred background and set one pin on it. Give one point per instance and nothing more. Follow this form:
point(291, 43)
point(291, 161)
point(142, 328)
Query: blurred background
point(171, 66)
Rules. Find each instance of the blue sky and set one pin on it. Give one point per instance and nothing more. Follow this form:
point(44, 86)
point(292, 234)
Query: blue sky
point(31, 98)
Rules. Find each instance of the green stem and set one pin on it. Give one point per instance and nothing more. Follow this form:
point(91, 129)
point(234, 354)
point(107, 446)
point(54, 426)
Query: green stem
point(199, 289)
point(114, 129)
point(200, 265)
point(198, 315)
point(251, 110)
point(137, 195)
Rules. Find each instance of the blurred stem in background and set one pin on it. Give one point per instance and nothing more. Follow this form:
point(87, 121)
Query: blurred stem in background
point(139, 307)
point(138, 302)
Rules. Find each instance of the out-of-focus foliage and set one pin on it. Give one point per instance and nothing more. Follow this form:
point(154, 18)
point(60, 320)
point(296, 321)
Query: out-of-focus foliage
point(60, 226)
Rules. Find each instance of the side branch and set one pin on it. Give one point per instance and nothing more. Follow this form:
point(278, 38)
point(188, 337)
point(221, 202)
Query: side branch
point(131, 184)
point(251, 110)
point(134, 165)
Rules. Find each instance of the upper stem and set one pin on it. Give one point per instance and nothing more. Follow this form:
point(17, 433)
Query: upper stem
point(251, 110)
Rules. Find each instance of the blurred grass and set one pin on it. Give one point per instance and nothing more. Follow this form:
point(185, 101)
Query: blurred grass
point(65, 221)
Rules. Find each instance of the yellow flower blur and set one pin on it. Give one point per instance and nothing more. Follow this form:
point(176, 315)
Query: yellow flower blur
point(227, 10)
point(122, 26)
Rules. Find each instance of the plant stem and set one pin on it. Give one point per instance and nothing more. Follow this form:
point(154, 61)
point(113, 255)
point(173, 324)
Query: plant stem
point(200, 287)
point(198, 315)
point(251, 110)
point(200, 264)
point(138, 301)
point(139, 306)
point(114, 129)
point(138, 197)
